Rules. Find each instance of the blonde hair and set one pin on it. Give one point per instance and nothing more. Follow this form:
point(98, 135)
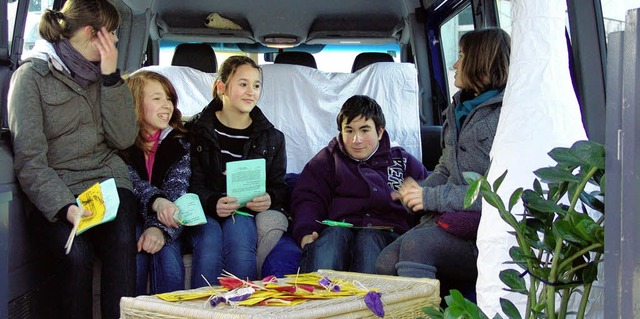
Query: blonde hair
point(76, 14)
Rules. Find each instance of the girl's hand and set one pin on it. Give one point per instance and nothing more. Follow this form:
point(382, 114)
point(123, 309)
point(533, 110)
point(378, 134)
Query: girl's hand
point(105, 42)
point(151, 240)
point(226, 206)
point(410, 194)
point(260, 203)
point(165, 210)
point(75, 213)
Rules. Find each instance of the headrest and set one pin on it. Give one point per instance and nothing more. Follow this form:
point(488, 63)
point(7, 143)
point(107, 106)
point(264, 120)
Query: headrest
point(199, 56)
point(307, 114)
point(297, 58)
point(365, 58)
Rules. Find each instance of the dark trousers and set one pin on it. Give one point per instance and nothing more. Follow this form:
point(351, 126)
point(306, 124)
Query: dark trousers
point(114, 243)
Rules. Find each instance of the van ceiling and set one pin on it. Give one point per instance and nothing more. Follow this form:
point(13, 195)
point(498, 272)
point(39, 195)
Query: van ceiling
point(311, 22)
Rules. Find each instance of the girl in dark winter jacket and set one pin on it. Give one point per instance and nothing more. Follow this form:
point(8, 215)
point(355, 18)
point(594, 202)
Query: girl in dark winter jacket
point(160, 169)
point(232, 128)
point(443, 245)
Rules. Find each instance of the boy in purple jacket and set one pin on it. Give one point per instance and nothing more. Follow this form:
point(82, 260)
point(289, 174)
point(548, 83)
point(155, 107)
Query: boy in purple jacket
point(350, 181)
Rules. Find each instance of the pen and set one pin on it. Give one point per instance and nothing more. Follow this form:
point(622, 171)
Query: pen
point(241, 213)
point(335, 223)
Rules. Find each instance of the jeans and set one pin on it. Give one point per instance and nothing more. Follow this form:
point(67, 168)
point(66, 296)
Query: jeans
point(167, 268)
point(143, 266)
point(340, 248)
point(113, 242)
point(240, 239)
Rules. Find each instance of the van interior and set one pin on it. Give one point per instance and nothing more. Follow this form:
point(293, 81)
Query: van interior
point(314, 54)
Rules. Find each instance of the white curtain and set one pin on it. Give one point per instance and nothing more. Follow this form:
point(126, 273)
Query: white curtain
point(540, 112)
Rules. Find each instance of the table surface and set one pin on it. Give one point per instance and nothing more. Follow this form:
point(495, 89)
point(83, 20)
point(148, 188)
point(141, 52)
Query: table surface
point(402, 298)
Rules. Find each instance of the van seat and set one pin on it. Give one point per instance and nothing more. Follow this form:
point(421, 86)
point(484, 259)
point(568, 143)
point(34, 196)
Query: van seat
point(366, 58)
point(199, 56)
point(296, 58)
point(431, 136)
point(194, 87)
point(303, 102)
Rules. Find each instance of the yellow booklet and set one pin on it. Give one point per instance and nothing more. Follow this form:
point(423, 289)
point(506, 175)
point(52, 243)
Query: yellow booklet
point(102, 200)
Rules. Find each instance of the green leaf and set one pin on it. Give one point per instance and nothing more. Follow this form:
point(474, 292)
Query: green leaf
point(563, 156)
point(454, 313)
point(555, 175)
point(590, 231)
point(472, 193)
point(473, 310)
point(512, 279)
point(458, 299)
point(515, 196)
point(471, 177)
point(433, 313)
point(535, 201)
point(494, 200)
point(537, 187)
point(565, 230)
point(589, 152)
point(498, 181)
point(592, 202)
point(509, 309)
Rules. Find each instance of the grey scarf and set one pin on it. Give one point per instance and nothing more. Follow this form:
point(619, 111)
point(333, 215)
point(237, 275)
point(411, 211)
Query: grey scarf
point(82, 70)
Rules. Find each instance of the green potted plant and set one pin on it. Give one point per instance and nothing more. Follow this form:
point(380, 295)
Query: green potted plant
point(559, 245)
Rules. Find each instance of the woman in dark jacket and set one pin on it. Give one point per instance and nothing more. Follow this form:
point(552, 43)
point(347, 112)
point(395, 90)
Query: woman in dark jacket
point(232, 128)
point(160, 169)
point(443, 245)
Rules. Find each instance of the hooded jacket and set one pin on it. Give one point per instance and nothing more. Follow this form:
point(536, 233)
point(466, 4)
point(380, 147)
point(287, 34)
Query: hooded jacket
point(65, 137)
point(337, 187)
point(207, 178)
point(170, 178)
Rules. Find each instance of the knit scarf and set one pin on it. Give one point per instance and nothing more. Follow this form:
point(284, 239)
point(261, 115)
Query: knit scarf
point(82, 70)
point(151, 156)
point(464, 108)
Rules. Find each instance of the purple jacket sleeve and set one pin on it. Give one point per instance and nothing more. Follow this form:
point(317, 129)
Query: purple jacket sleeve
point(311, 196)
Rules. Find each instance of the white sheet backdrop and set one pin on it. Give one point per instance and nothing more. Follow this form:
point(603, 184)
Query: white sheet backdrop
point(303, 102)
point(540, 112)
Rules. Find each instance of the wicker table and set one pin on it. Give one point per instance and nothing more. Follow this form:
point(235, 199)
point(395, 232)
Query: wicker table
point(402, 298)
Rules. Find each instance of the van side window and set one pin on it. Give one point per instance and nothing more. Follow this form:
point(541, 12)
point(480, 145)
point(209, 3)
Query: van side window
point(31, 34)
point(450, 33)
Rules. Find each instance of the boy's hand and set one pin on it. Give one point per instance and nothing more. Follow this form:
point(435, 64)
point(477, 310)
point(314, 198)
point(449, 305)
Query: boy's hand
point(308, 239)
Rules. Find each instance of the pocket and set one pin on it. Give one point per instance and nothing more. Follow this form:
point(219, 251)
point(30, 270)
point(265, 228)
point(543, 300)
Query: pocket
point(62, 112)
